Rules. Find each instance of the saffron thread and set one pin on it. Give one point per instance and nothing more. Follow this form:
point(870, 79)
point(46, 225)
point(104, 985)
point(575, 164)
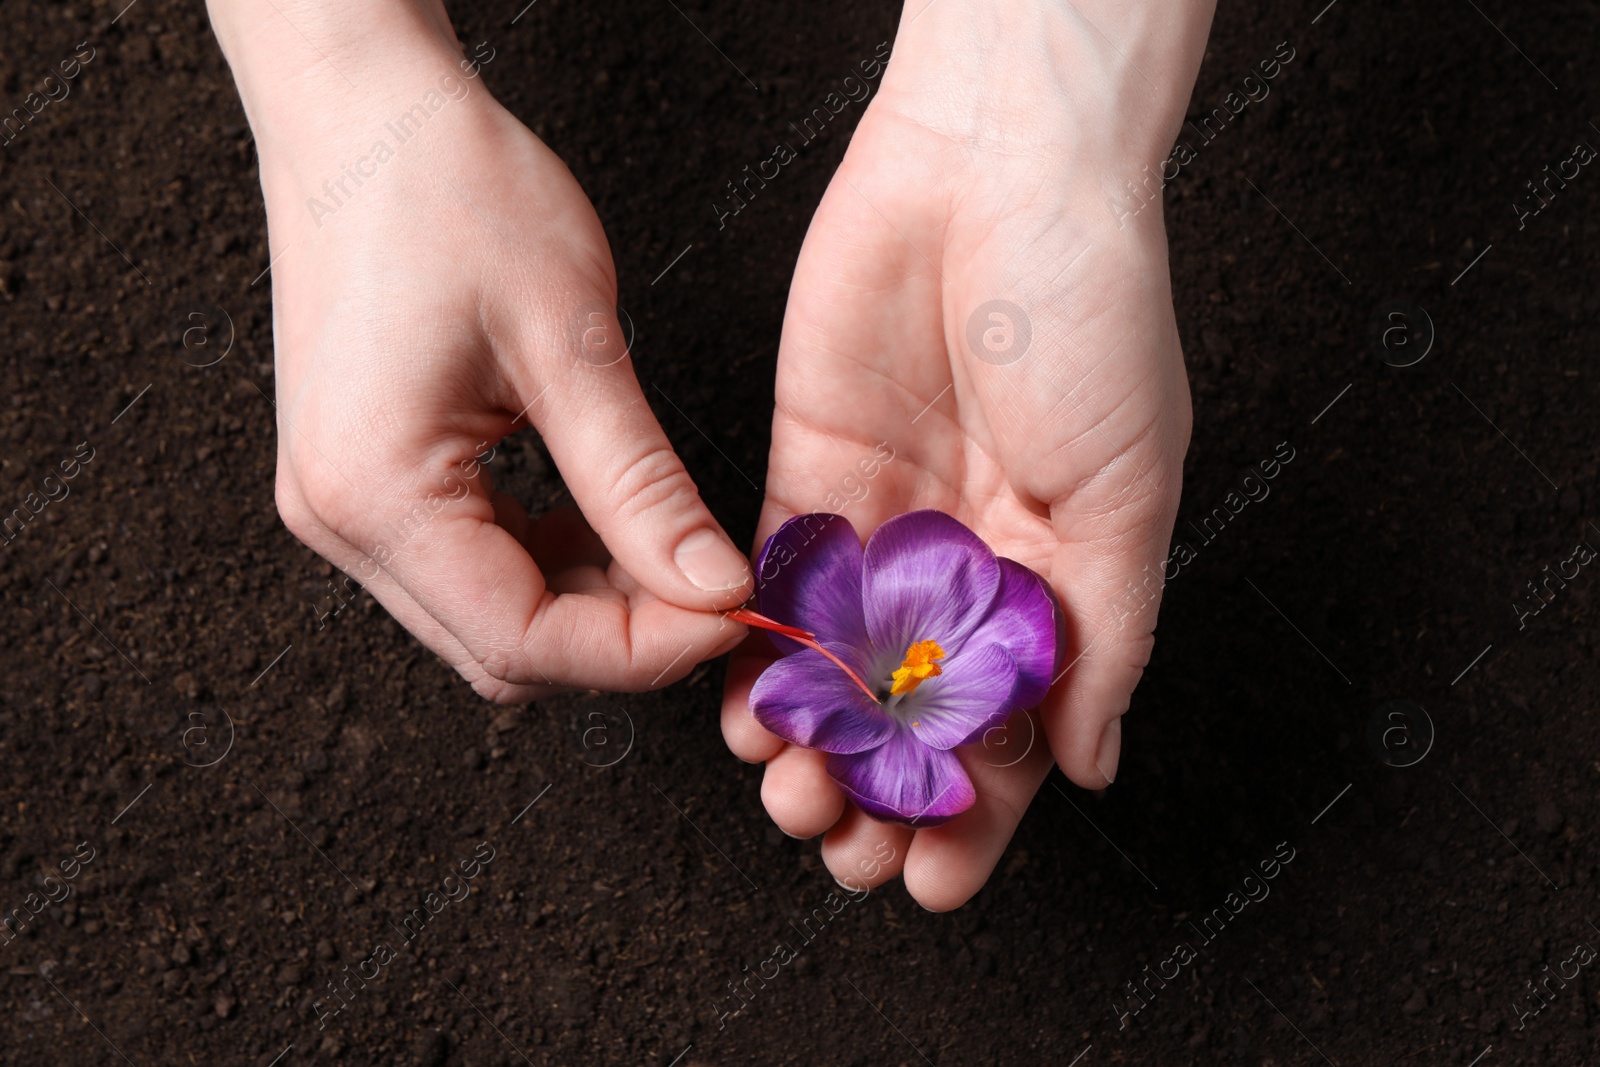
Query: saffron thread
point(804, 637)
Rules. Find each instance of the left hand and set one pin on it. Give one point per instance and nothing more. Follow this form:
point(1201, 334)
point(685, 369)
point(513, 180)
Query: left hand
point(981, 173)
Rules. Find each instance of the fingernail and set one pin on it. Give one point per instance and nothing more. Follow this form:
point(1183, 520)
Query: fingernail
point(708, 560)
point(1110, 750)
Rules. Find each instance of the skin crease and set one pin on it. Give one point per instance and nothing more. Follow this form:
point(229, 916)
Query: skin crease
point(982, 172)
point(392, 373)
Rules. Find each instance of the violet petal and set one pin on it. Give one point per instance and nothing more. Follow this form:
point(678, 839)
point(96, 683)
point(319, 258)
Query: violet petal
point(974, 693)
point(1026, 620)
point(905, 781)
point(808, 701)
point(809, 576)
point(926, 577)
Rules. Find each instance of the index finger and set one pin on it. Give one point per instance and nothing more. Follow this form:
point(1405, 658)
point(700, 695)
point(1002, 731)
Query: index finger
point(479, 582)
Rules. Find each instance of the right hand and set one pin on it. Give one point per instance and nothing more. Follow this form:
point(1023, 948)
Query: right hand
point(465, 288)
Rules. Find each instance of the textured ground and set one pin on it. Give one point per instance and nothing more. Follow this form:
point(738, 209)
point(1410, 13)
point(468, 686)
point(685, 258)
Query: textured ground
point(155, 599)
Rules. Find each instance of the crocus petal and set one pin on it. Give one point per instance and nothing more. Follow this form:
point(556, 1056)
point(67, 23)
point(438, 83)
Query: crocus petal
point(974, 693)
point(808, 701)
point(1025, 619)
point(809, 576)
point(926, 577)
point(905, 781)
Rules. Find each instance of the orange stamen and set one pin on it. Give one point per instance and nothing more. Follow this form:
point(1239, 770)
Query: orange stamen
point(920, 665)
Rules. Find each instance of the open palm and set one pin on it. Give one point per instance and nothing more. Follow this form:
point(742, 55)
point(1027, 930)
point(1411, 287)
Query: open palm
point(965, 295)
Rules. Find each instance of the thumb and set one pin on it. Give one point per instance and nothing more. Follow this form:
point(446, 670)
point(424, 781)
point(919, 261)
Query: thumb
point(628, 481)
point(1111, 591)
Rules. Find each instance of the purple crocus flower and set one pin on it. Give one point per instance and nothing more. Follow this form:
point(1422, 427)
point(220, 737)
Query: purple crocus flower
point(923, 640)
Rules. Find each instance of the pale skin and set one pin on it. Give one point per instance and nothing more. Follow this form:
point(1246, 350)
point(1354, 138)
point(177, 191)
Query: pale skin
point(445, 303)
point(981, 171)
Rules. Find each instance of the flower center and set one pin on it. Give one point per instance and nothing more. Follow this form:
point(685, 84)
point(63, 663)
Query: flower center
point(921, 663)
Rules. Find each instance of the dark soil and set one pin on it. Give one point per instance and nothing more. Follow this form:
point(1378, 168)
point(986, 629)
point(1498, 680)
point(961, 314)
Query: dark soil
point(161, 597)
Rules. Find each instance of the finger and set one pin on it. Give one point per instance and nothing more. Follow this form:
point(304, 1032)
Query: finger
point(479, 582)
point(425, 628)
point(590, 580)
point(862, 853)
point(798, 793)
point(1110, 599)
point(746, 738)
point(564, 548)
point(624, 474)
point(365, 574)
point(949, 863)
point(1109, 569)
point(561, 538)
point(1091, 422)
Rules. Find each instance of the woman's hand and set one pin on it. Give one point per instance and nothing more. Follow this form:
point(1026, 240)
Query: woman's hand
point(439, 279)
point(968, 293)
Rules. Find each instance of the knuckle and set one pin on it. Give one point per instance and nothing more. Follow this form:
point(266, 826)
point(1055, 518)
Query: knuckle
point(294, 509)
point(322, 499)
point(650, 480)
point(1139, 651)
point(501, 668)
point(498, 690)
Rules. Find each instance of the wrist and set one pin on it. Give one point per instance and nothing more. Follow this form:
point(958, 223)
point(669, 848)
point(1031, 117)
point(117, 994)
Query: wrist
point(314, 73)
point(1125, 66)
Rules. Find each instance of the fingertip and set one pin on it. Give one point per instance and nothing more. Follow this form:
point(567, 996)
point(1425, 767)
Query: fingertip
point(943, 870)
point(732, 642)
point(1108, 752)
point(746, 738)
point(1084, 713)
point(798, 794)
point(950, 863)
point(668, 642)
point(939, 895)
point(1090, 752)
point(861, 852)
point(707, 560)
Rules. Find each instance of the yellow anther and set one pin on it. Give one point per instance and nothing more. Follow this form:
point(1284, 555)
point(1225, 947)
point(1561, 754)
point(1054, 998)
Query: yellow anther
point(920, 665)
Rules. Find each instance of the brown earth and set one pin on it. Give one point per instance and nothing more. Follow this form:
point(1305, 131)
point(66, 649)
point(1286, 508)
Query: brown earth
point(161, 597)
